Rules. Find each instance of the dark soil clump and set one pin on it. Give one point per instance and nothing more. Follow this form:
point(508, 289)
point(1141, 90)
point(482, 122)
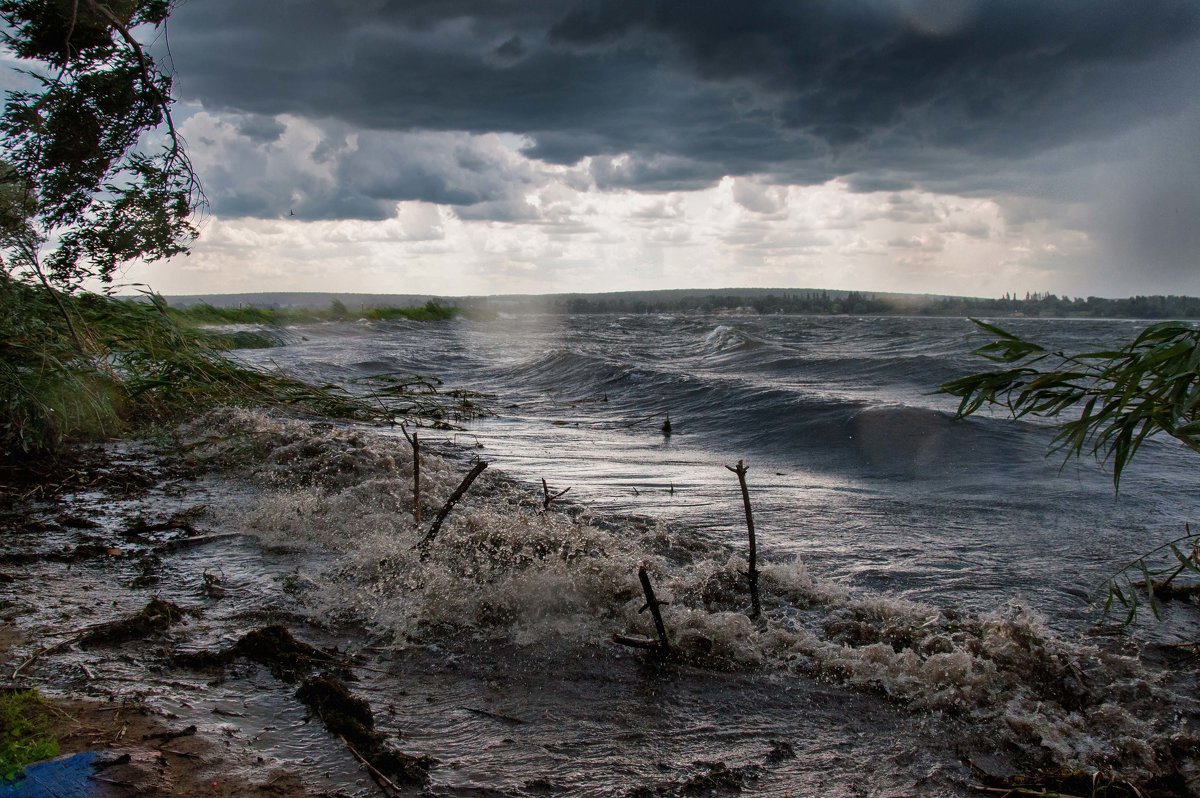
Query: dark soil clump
point(272, 646)
point(157, 616)
point(349, 717)
point(343, 713)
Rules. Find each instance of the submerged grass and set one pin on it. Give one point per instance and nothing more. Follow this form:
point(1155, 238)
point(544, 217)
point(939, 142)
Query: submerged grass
point(25, 736)
point(87, 366)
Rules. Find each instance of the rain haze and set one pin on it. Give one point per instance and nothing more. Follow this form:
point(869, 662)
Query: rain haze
point(465, 147)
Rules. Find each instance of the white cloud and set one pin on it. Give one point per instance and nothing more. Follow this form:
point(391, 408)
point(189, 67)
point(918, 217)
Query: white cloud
point(574, 236)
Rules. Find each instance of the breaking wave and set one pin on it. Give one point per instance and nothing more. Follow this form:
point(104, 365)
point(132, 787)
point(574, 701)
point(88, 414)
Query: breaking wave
point(503, 570)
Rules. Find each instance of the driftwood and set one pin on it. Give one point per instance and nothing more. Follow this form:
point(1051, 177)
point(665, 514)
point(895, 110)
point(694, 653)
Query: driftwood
point(199, 540)
point(653, 604)
point(415, 443)
point(752, 572)
point(548, 497)
point(635, 642)
point(464, 486)
point(166, 737)
point(51, 649)
point(662, 646)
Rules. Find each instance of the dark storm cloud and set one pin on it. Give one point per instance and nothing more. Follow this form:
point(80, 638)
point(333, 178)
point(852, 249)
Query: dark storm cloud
point(890, 92)
point(264, 129)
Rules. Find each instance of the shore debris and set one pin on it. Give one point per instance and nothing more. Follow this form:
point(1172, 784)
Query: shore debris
point(662, 647)
point(157, 616)
point(464, 486)
point(349, 717)
point(548, 497)
point(272, 646)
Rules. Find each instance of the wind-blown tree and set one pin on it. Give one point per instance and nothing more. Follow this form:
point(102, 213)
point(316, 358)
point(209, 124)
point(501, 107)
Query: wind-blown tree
point(1109, 402)
point(1112, 400)
point(79, 194)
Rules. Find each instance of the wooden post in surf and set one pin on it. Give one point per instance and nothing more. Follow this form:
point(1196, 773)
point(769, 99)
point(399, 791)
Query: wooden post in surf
point(752, 573)
point(416, 450)
point(653, 604)
point(549, 497)
point(423, 543)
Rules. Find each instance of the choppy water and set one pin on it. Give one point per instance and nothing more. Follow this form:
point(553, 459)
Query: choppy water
point(856, 463)
point(929, 585)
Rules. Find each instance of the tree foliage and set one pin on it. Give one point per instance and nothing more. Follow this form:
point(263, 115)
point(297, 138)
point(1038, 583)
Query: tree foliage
point(1111, 400)
point(80, 190)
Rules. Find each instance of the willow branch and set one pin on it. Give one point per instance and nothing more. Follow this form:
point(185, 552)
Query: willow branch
point(163, 102)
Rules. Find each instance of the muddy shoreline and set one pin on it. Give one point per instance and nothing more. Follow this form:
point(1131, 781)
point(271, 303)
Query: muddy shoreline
point(102, 514)
point(355, 704)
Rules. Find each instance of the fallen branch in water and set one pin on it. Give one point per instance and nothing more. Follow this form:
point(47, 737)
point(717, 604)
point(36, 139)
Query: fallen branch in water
point(199, 540)
point(156, 616)
point(272, 646)
point(464, 486)
point(383, 781)
point(752, 572)
point(653, 605)
point(548, 497)
point(635, 642)
point(74, 638)
point(349, 718)
point(166, 737)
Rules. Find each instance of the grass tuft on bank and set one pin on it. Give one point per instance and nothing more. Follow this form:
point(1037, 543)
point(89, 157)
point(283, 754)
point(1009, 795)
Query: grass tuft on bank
point(87, 366)
point(25, 736)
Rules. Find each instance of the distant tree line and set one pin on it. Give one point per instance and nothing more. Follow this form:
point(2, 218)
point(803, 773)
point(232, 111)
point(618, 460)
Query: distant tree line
point(857, 303)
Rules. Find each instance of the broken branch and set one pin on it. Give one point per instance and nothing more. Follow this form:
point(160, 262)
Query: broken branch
point(415, 442)
point(423, 543)
point(653, 605)
point(549, 497)
point(752, 572)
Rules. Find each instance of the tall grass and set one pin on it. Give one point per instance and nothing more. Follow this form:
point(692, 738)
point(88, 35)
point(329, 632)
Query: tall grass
point(204, 313)
point(133, 360)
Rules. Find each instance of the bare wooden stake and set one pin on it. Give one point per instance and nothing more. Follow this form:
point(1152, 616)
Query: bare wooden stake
point(653, 604)
point(752, 574)
point(549, 497)
point(423, 543)
point(415, 442)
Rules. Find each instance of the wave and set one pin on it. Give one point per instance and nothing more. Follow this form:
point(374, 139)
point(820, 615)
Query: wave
point(504, 571)
point(723, 339)
point(771, 417)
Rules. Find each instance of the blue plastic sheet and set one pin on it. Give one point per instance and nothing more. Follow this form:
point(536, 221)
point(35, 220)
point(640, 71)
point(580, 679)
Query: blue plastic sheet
point(66, 777)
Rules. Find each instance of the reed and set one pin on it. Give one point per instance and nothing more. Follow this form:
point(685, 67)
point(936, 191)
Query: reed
point(204, 313)
point(87, 366)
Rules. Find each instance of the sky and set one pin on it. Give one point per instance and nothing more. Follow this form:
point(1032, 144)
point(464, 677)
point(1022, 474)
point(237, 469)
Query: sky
point(457, 147)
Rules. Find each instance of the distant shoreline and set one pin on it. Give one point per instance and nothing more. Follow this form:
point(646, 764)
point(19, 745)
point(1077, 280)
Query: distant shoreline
point(795, 301)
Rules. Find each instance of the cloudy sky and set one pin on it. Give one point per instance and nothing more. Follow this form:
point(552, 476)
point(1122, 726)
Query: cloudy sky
point(492, 146)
